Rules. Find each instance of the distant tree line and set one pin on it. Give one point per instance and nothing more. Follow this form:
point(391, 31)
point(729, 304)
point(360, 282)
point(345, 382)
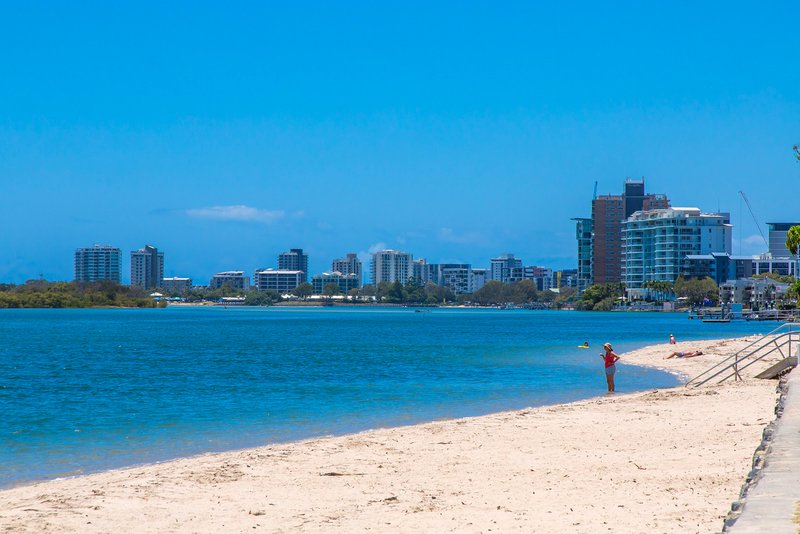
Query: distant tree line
point(695, 292)
point(43, 294)
point(601, 297)
point(492, 294)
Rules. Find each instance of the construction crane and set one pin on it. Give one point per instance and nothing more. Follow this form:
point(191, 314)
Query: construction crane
point(749, 207)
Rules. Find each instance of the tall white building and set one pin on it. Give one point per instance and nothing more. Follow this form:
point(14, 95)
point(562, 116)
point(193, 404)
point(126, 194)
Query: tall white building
point(350, 264)
point(147, 267)
point(658, 241)
point(478, 279)
point(506, 268)
point(392, 266)
point(294, 260)
point(456, 276)
point(424, 272)
point(100, 262)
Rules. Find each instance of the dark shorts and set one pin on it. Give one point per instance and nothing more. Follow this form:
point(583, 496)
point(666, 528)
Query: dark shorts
point(611, 370)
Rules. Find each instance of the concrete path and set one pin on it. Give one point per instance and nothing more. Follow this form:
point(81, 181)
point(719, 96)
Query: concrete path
point(773, 503)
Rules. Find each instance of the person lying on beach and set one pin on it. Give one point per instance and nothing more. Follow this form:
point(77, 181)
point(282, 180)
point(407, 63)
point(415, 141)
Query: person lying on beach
point(690, 354)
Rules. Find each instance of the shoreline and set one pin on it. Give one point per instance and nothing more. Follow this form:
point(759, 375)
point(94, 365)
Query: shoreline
point(679, 377)
point(370, 478)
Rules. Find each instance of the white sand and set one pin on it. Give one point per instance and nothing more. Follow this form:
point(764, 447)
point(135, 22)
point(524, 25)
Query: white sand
point(661, 461)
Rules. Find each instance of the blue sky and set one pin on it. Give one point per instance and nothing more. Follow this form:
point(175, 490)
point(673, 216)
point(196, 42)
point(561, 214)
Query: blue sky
point(455, 131)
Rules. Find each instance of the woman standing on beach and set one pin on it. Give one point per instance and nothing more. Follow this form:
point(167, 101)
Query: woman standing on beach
point(610, 359)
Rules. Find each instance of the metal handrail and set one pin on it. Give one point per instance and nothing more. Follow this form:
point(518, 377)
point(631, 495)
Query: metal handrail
point(751, 362)
point(764, 340)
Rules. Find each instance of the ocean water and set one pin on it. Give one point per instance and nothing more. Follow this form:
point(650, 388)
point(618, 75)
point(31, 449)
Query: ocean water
point(87, 390)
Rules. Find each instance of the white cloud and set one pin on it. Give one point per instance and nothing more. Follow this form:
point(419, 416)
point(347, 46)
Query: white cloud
point(377, 247)
point(447, 235)
point(750, 245)
point(366, 255)
point(755, 239)
point(236, 213)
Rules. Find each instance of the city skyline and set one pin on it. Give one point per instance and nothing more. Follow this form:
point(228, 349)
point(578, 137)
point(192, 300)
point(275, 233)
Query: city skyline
point(457, 134)
point(251, 274)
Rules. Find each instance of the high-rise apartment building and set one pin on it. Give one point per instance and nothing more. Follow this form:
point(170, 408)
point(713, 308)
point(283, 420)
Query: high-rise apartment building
point(423, 272)
point(392, 266)
point(608, 213)
point(506, 268)
point(147, 267)
point(777, 239)
point(457, 277)
point(100, 262)
point(658, 241)
point(542, 277)
point(583, 233)
point(350, 264)
point(294, 260)
point(479, 279)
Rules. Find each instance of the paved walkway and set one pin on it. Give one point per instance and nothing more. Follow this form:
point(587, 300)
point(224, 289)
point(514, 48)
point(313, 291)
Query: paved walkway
point(773, 504)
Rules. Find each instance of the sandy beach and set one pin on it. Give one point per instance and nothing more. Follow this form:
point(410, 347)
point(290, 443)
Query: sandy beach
point(668, 460)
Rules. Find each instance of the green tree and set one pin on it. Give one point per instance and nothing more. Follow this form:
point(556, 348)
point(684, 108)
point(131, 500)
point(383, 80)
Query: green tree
point(382, 290)
point(367, 290)
point(793, 292)
point(520, 292)
point(598, 292)
point(43, 294)
point(331, 289)
point(607, 304)
point(261, 298)
point(414, 293)
point(696, 291)
point(395, 293)
point(490, 294)
point(565, 295)
point(793, 238)
point(303, 290)
point(437, 294)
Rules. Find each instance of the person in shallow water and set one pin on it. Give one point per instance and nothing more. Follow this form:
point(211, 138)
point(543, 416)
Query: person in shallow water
point(610, 359)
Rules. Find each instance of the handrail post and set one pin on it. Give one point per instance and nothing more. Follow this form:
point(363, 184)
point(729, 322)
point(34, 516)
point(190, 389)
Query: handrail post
point(747, 354)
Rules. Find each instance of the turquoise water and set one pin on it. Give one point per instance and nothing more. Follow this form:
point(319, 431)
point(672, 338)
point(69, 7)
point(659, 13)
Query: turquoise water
point(87, 390)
